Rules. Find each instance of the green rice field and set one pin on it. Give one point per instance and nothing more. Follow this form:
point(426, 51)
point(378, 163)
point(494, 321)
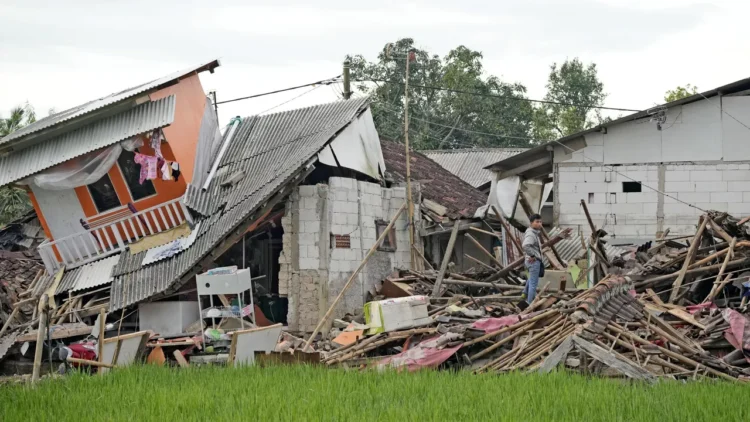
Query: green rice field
point(297, 393)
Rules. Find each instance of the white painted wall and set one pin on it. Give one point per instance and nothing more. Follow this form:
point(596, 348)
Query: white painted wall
point(61, 210)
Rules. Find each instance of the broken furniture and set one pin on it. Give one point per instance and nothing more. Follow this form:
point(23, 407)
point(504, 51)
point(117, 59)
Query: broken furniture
point(224, 282)
point(245, 343)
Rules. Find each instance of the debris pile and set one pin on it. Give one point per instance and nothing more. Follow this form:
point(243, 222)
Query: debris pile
point(672, 309)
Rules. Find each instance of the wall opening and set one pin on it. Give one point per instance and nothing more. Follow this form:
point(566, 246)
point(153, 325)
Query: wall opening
point(389, 243)
point(631, 187)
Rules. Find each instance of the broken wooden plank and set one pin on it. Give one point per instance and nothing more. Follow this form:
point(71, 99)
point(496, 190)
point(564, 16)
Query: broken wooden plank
point(446, 260)
point(688, 259)
point(685, 316)
point(180, 359)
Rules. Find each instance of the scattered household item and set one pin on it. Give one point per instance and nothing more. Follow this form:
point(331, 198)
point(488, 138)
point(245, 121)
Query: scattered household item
point(224, 282)
point(246, 342)
point(397, 314)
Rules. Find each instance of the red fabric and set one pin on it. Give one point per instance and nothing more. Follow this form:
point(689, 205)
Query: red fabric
point(493, 324)
point(423, 355)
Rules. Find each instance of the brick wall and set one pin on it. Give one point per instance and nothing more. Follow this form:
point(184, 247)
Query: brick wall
point(641, 215)
point(312, 272)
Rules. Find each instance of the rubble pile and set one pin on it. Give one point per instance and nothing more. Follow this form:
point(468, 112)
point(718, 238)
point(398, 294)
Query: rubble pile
point(673, 308)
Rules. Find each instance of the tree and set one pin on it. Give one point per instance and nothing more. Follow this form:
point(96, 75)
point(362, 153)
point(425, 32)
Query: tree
point(680, 92)
point(443, 114)
point(569, 83)
point(14, 202)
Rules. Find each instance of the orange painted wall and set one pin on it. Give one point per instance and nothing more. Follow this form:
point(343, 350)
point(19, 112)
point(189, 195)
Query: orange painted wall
point(166, 190)
point(182, 134)
point(39, 214)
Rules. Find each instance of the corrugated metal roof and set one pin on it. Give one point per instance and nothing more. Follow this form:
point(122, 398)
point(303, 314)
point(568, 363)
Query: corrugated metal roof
point(91, 106)
point(89, 275)
point(571, 248)
point(6, 343)
point(271, 150)
point(141, 119)
point(469, 164)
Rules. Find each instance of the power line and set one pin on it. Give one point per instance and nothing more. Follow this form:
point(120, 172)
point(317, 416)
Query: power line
point(481, 94)
point(724, 111)
point(289, 100)
point(321, 82)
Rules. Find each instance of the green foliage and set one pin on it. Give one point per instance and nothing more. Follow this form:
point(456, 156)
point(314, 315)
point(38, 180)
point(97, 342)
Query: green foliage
point(14, 202)
point(294, 393)
point(507, 120)
point(680, 92)
point(569, 83)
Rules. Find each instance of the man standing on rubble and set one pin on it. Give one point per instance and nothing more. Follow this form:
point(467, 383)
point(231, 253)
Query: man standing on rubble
point(532, 250)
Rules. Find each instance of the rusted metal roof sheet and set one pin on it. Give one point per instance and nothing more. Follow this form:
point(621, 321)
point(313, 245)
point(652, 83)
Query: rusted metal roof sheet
point(469, 164)
point(100, 103)
point(103, 133)
point(572, 248)
point(272, 150)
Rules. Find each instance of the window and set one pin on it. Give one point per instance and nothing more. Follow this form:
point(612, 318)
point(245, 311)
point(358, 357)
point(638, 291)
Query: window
point(389, 243)
point(631, 187)
point(104, 195)
point(131, 171)
point(341, 241)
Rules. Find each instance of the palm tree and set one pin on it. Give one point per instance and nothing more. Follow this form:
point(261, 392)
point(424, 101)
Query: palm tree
point(14, 202)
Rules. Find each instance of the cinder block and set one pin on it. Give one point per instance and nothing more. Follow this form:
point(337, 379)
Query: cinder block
point(652, 175)
point(728, 197)
point(311, 226)
point(641, 197)
point(716, 206)
point(308, 263)
point(736, 175)
point(629, 176)
point(568, 187)
point(738, 209)
point(693, 197)
point(650, 208)
point(343, 194)
point(307, 190)
point(677, 176)
point(307, 239)
point(678, 209)
point(572, 198)
point(737, 186)
point(679, 186)
point(593, 177)
point(712, 186)
point(706, 176)
point(308, 215)
point(746, 197)
point(352, 219)
point(743, 166)
point(592, 187)
point(569, 169)
point(571, 177)
point(313, 251)
point(635, 208)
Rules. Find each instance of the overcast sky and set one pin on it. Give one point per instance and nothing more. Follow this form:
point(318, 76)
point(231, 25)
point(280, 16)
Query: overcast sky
point(59, 54)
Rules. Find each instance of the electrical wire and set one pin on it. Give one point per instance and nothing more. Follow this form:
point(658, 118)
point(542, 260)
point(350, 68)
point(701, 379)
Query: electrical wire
point(321, 82)
point(724, 111)
point(289, 101)
point(481, 94)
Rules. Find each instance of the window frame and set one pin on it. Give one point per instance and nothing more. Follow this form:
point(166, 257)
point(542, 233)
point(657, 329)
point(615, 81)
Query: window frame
point(127, 186)
point(93, 200)
point(391, 237)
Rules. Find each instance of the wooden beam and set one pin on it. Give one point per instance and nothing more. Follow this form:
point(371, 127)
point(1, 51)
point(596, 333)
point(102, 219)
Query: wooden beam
point(508, 231)
point(91, 363)
point(446, 259)
point(688, 260)
point(485, 251)
point(40, 338)
point(354, 274)
point(100, 342)
point(180, 359)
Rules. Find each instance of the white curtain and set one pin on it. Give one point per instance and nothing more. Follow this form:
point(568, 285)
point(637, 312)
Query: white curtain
point(83, 170)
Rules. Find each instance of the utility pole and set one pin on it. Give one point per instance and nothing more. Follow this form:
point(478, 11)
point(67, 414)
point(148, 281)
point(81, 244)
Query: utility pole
point(408, 163)
point(216, 106)
point(347, 82)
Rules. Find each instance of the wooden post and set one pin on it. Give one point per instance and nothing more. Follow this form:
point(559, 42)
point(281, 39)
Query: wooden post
point(446, 259)
point(485, 251)
point(409, 199)
point(42, 329)
point(354, 274)
point(10, 319)
point(100, 344)
point(508, 232)
point(347, 83)
point(688, 259)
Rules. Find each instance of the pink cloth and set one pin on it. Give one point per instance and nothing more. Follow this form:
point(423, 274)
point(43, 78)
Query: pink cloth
point(148, 166)
point(493, 324)
point(426, 354)
point(738, 333)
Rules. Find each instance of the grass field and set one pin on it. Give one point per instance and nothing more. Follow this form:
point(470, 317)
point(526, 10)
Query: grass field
point(306, 393)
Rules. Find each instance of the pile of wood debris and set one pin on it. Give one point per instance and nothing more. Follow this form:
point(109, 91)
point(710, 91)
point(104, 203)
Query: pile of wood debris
point(675, 309)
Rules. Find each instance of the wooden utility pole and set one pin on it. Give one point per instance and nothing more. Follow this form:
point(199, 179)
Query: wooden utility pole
point(409, 200)
point(347, 81)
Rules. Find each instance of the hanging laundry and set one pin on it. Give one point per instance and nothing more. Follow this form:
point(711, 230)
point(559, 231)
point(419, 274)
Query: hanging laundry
point(156, 138)
point(148, 166)
point(176, 170)
point(166, 171)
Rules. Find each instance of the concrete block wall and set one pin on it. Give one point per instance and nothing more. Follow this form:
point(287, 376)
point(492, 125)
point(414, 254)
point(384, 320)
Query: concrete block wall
point(312, 271)
point(718, 186)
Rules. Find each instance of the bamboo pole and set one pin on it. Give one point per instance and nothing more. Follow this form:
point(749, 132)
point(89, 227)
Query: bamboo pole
point(354, 274)
point(91, 362)
point(485, 251)
point(40, 338)
point(100, 343)
point(10, 319)
point(446, 260)
point(409, 199)
point(688, 259)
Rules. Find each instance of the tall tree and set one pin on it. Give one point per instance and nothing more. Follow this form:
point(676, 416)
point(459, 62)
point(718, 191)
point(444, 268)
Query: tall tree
point(444, 111)
point(680, 92)
point(14, 202)
point(574, 90)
